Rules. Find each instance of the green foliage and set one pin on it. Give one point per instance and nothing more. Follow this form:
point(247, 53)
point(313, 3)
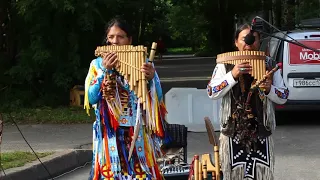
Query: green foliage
point(57, 43)
point(51, 42)
point(309, 9)
point(188, 25)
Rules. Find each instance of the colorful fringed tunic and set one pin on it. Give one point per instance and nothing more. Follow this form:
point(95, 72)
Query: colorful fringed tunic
point(246, 144)
point(117, 122)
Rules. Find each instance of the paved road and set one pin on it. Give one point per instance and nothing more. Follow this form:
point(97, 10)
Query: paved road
point(297, 144)
point(185, 73)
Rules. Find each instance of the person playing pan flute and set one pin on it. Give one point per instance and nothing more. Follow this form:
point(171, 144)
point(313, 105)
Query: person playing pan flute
point(246, 144)
point(113, 137)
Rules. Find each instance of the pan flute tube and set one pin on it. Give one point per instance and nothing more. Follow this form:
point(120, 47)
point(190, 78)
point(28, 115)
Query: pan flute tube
point(126, 57)
point(117, 49)
point(132, 72)
point(255, 65)
point(196, 167)
point(136, 74)
point(140, 90)
point(123, 68)
point(143, 82)
point(216, 161)
point(145, 95)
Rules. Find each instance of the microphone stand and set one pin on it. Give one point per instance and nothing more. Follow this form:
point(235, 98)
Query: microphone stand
point(292, 42)
point(295, 42)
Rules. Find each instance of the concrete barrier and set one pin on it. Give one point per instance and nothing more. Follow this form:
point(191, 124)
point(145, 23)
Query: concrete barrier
point(189, 106)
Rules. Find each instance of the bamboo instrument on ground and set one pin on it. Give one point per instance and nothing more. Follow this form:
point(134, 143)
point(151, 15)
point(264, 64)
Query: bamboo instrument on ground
point(257, 60)
point(130, 60)
point(204, 165)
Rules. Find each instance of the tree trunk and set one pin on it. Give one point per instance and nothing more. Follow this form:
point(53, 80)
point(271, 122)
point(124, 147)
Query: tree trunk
point(3, 26)
point(225, 27)
point(276, 13)
point(11, 36)
point(8, 43)
point(221, 13)
point(266, 7)
point(289, 15)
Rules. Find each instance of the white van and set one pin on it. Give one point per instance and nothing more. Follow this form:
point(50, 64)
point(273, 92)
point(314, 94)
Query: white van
point(301, 67)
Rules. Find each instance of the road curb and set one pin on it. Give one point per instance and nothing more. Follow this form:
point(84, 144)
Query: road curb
point(60, 163)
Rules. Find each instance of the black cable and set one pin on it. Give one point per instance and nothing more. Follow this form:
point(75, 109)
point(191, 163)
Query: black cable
point(294, 41)
point(1, 135)
point(3, 170)
point(14, 122)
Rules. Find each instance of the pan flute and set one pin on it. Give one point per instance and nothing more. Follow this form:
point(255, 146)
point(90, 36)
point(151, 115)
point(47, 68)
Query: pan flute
point(204, 169)
point(130, 60)
point(256, 59)
point(204, 166)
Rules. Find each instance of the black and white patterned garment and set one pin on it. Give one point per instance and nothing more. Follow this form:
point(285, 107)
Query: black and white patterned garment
point(249, 161)
point(236, 163)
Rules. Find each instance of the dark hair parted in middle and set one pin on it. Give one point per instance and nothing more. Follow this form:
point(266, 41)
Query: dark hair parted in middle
point(119, 22)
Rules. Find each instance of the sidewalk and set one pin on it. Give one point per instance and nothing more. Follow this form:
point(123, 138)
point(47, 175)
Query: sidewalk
point(170, 56)
point(71, 144)
point(183, 59)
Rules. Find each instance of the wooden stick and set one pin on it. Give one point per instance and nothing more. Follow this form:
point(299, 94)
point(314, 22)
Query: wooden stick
point(216, 161)
point(265, 76)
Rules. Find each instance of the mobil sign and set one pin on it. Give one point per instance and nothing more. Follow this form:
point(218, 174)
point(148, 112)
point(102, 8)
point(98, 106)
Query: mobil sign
point(301, 55)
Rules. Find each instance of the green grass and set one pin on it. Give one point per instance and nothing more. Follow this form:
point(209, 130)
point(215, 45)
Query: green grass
point(181, 50)
point(19, 158)
point(61, 115)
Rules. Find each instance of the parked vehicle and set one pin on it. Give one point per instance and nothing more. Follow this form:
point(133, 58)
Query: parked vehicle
point(301, 67)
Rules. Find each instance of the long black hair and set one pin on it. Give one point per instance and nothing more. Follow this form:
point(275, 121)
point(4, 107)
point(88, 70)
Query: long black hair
point(119, 22)
point(240, 29)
